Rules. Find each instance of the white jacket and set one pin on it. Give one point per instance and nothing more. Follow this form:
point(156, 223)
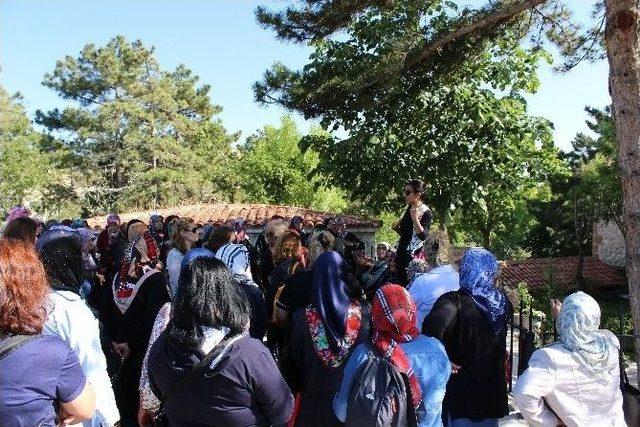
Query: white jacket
point(556, 386)
point(71, 319)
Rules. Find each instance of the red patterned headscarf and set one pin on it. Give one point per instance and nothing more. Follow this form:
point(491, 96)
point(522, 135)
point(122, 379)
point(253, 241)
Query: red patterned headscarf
point(133, 269)
point(393, 315)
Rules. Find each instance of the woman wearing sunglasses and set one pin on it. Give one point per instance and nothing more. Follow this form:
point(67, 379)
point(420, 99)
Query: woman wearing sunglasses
point(413, 227)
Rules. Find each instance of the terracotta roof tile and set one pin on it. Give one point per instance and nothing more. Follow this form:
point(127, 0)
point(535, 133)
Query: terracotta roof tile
point(256, 215)
point(536, 272)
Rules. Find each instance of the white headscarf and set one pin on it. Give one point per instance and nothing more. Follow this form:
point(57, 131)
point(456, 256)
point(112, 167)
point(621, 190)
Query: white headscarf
point(236, 258)
point(578, 323)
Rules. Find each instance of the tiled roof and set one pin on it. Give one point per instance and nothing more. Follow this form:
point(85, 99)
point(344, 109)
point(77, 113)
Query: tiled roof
point(536, 272)
point(256, 215)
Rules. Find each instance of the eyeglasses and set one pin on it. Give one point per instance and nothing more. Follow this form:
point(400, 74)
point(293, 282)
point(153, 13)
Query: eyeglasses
point(408, 192)
point(194, 229)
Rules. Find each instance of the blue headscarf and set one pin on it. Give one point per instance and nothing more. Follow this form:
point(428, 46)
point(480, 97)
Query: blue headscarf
point(478, 270)
point(330, 295)
point(578, 328)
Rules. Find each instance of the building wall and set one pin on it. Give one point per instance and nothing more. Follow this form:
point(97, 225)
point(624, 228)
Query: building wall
point(608, 244)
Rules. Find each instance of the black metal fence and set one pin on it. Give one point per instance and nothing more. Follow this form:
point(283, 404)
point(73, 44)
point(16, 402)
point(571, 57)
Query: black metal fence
point(524, 339)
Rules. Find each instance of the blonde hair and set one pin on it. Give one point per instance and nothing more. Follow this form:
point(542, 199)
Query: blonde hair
point(179, 242)
point(318, 243)
point(273, 232)
point(287, 246)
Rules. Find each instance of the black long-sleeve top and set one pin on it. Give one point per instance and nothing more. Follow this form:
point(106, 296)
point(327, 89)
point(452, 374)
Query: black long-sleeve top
point(479, 389)
point(134, 325)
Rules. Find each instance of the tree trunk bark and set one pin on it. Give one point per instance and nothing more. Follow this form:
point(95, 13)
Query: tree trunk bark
point(623, 51)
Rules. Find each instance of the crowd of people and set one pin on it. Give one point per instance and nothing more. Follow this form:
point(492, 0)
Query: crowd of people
point(177, 323)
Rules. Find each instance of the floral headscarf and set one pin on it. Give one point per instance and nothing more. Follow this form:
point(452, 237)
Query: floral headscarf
point(134, 270)
point(334, 320)
point(578, 323)
point(393, 314)
point(478, 271)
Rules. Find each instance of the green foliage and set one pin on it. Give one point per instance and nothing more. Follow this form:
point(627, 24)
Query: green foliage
point(275, 171)
point(386, 233)
point(142, 137)
point(592, 192)
point(465, 131)
point(23, 169)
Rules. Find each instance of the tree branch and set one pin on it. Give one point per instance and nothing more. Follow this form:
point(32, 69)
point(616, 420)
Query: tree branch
point(496, 18)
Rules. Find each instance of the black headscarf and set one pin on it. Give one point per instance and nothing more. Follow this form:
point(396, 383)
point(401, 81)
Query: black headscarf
point(61, 254)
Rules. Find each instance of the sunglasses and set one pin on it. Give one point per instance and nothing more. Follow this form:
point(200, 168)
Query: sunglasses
point(407, 192)
point(194, 229)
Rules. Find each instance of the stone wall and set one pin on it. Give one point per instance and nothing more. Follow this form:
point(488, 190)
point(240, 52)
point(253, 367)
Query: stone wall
point(608, 244)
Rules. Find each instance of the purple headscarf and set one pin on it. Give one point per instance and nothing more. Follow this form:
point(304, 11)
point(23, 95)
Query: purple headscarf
point(17, 212)
point(330, 295)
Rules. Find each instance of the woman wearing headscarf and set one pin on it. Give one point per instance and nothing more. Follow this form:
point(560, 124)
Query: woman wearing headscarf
point(137, 293)
point(233, 378)
point(575, 381)
point(472, 325)
point(111, 246)
point(422, 360)
point(323, 336)
point(70, 318)
point(236, 258)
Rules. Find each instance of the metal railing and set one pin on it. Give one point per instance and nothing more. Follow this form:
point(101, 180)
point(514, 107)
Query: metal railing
point(523, 337)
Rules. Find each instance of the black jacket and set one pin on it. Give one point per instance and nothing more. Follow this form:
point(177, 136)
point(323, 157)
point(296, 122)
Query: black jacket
point(244, 388)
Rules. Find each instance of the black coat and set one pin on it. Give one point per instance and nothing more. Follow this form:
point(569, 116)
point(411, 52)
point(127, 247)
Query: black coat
point(479, 389)
point(317, 383)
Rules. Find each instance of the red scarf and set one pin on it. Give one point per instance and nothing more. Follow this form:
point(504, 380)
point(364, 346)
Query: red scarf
point(132, 256)
point(394, 321)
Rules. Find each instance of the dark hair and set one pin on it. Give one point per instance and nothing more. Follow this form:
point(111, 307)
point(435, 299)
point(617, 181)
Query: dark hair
point(219, 236)
point(62, 260)
point(23, 289)
point(417, 185)
point(23, 228)
point(207, 296)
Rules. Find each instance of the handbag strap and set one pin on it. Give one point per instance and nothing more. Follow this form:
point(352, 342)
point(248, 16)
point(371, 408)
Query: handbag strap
point(13, 342)
point(212, 355)
point(624, 379)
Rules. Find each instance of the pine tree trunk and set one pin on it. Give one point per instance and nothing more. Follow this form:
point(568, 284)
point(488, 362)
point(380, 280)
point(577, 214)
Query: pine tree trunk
point(623, 50)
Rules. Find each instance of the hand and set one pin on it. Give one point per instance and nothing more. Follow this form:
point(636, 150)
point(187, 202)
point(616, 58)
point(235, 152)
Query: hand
point(414, 213)
point(145, 417)
point(556, 306)
point(455, 368)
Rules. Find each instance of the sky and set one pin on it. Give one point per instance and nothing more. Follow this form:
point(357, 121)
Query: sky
point(222, 43)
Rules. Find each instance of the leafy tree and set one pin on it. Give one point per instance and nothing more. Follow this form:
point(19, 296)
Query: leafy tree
point(447, 44)
point(23, 169)
point(468, 134)
point(591, 193)
point(142, 136)
point(275, 171)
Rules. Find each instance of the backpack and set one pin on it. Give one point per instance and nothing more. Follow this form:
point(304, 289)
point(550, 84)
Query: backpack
point(380, 395)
